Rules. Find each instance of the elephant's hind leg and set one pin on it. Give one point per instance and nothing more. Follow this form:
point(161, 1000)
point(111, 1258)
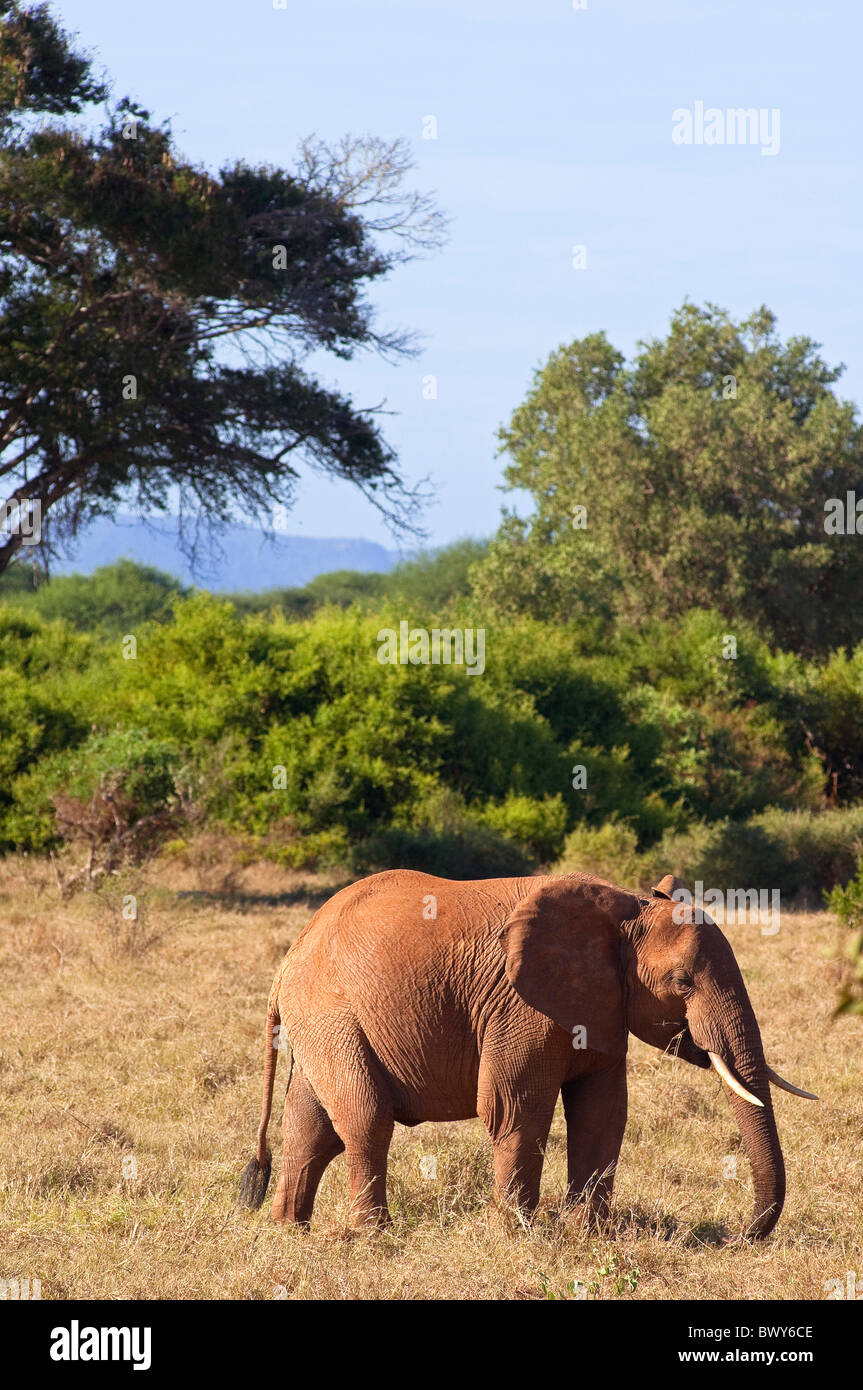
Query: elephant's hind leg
point(310, 1143)
point(361, 1105)
point(367, 1174)
point(352, 1086)
point(367, 1130)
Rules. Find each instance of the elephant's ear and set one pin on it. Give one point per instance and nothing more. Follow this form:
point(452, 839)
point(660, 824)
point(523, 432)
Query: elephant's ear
point(668, 886)
point(563, 951)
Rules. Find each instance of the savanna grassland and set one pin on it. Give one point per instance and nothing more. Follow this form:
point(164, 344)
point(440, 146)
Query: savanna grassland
point(130, 1075)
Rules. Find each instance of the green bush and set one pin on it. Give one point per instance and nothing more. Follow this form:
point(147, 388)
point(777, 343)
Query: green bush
point(294, 733)
point(102, 788)
point(832, 708)
point(537, 826)
point(116, 598)
point(610, 851)
point(444, 839)
point(847, 903)
point(798, 853)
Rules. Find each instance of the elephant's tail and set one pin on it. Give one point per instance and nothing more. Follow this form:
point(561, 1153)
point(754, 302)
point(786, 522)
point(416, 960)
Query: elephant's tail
point(256, 1174)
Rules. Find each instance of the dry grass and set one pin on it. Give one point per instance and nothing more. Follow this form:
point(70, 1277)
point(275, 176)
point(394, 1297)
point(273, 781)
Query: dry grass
point(130, 1079)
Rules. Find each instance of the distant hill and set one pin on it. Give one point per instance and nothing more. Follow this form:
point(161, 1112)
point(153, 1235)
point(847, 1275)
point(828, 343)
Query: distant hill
point(248, 560)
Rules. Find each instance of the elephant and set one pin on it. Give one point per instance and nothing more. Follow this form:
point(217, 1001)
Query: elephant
point(409, 998)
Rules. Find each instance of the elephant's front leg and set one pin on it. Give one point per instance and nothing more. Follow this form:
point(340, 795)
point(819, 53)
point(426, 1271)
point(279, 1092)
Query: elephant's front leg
point(519, 1151)
point(595, 1110)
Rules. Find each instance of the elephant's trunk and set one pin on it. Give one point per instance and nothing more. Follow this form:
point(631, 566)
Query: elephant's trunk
point(727, 1026)
point(761, 1141)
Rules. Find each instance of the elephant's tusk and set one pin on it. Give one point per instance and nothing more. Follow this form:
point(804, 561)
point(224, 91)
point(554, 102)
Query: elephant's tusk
point(786, 1085)
point(731, 1081)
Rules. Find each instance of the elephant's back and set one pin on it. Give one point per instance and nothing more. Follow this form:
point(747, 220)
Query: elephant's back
point(401, 941)
point(406, 912)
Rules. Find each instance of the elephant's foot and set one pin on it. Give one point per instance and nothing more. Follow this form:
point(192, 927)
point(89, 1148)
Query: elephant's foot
point(506, 1213)
point(577, 1220)
point(288, 1211)
point(580, 1217)
point(282, 1217)
point(294, 1197)
point(370, 1219)
point(343, 1232)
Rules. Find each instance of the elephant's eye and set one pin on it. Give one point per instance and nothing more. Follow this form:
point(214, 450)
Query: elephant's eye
point(682, 982)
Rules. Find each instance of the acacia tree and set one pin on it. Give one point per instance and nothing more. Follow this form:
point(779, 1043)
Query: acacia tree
point(698, 476)
point(154, 317)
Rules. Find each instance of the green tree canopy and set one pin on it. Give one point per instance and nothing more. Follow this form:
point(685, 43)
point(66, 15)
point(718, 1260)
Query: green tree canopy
point(154, 316)
point(703, 469)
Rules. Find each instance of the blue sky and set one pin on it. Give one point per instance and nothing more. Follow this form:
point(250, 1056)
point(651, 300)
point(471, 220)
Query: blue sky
point(553, 130)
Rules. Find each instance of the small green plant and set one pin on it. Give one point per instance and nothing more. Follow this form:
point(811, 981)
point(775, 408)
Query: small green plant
point(610, 1266)
point(847, 903)
point(621, 1269)
point(573, 1289)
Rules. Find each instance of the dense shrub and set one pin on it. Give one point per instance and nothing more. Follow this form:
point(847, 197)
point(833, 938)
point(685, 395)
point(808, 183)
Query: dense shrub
point(444, 838)
point(115, 598)
point(114, 789)
point(609, 850)
point(537, 825)
point(798, 853)
point(294, 733)
point(830, 714)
